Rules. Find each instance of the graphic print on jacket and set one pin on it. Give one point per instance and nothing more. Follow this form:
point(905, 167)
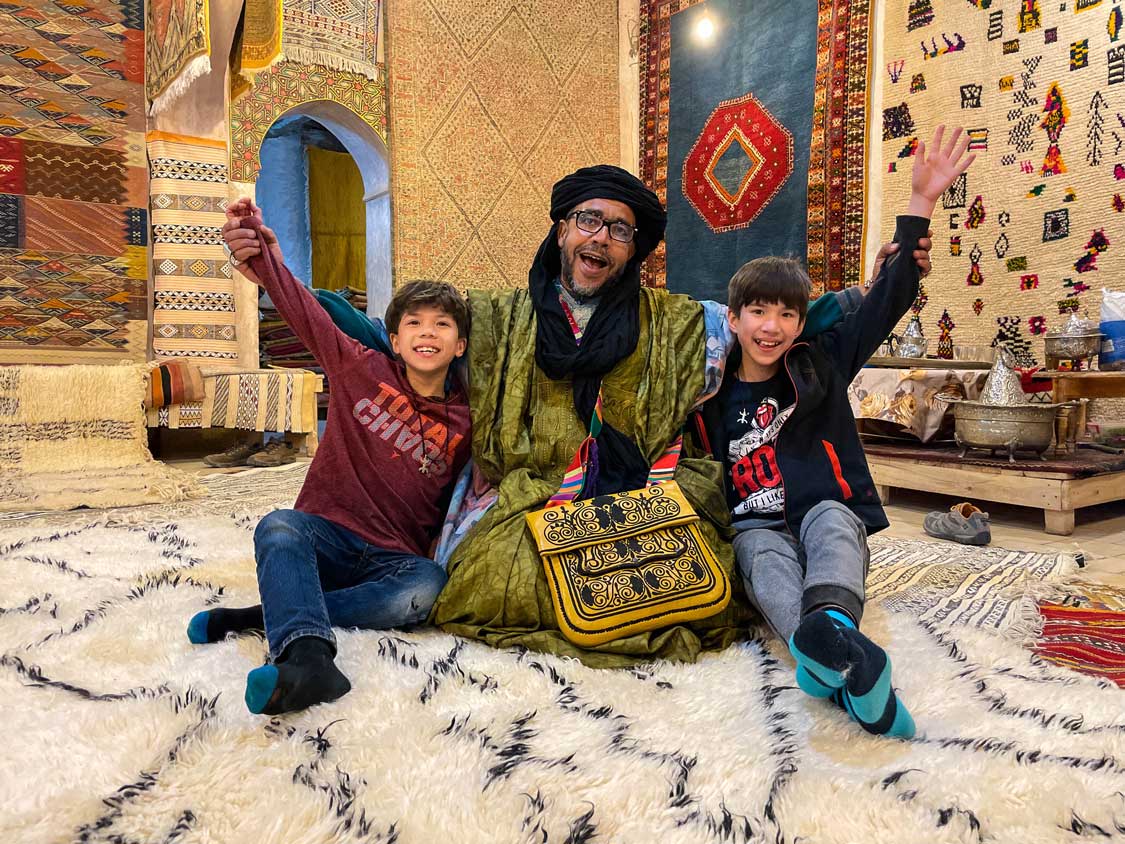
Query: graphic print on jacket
point(754, 414)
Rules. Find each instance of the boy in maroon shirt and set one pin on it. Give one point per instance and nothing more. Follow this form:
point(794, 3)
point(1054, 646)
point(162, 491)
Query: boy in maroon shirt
point(354, 550)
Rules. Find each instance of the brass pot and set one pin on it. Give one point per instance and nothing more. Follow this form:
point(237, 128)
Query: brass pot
point(1010, 428)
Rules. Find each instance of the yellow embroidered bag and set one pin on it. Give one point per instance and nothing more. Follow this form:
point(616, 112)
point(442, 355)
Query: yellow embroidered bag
point(626, 563)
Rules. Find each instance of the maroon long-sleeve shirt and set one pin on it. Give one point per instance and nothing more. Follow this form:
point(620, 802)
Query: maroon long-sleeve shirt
point(388, 454)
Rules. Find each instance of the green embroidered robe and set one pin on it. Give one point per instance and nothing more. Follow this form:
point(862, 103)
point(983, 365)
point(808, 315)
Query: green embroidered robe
point(525, 433)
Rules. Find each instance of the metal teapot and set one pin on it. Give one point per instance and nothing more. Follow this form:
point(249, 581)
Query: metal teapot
point(912, 343)
point(888, 346)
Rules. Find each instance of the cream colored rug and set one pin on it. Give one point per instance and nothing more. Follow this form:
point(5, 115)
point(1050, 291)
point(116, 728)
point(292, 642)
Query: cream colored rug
point(74, 436)
point(117, 729)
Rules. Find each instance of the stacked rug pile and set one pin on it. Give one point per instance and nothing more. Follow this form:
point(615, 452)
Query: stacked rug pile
point(74, 436)
point(118, 729)
point(278, 346)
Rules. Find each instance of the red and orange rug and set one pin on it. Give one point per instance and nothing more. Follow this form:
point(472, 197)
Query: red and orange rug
point(1090, 639)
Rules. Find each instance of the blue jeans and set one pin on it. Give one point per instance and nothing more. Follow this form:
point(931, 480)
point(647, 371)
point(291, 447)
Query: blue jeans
point(314, 575)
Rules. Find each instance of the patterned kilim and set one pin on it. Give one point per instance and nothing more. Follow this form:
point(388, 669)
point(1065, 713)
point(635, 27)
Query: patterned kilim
point(261, 34)
point(338, 34)
point(490, 106)
point(257, 43)
point(193, 302)
point(178, 46)
point(288, 84)
point(1036, 227)
point(73, 192)
point(959, 584)
point(263, 400)
point(1088, 640)
point(718, 184)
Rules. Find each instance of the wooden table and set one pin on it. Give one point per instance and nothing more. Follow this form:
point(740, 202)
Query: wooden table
point(1085, 385)
point(1074, 386)
point(1056, 491)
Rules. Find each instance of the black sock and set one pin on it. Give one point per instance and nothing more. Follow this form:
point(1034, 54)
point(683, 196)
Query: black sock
point(224, 621)
point(304, 675)
point(821, 652)
point(214, 625)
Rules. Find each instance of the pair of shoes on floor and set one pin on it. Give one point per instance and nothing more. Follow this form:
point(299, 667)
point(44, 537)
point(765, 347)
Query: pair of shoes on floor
point(251, 453)
point(964, 523)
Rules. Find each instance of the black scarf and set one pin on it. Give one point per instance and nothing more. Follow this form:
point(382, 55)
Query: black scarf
point(613, 330)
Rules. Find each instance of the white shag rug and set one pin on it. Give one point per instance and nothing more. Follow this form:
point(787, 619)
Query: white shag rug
point(117, 729)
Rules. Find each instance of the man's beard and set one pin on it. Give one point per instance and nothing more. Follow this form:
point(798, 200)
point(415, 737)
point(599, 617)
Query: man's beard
point(566, 276)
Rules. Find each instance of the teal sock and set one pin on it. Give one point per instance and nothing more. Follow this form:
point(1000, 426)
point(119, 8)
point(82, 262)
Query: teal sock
point(821, 652)
point(835, 660)
point(810, 685)
point(842, 619)
point(868, 695)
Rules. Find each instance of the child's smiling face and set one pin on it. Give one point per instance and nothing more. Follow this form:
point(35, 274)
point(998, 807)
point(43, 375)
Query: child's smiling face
point(765, 331)
point(427, 340)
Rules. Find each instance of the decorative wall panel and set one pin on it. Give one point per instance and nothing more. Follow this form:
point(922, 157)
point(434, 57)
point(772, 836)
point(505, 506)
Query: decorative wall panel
point(491, 103)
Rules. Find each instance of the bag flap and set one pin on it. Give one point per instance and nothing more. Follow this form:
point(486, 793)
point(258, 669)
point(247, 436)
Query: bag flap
point(608, 518)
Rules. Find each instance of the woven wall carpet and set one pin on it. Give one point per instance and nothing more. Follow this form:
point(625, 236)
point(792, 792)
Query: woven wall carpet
point(755, 136)
point(491, 103)
point(194, 313)
point(1036, 228)
point(73, 191)
point(178, 46)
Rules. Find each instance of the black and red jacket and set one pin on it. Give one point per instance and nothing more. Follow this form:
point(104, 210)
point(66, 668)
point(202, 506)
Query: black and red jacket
point(818, 450)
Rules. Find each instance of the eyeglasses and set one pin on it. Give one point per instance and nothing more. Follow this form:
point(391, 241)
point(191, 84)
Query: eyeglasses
point(591, 222)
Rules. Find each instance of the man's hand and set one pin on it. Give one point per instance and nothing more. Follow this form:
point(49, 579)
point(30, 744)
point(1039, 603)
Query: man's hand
point(243, 243)
point(921, 256)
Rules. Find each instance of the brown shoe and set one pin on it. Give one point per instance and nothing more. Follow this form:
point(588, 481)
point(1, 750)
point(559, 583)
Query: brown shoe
point(276, 453)
point(236, 455)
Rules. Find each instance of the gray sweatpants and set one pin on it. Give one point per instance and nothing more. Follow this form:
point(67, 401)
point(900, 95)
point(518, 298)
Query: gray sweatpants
point(784, 577)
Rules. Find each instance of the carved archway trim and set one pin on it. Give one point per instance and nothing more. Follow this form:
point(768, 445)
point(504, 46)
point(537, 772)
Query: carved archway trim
point(284, 87)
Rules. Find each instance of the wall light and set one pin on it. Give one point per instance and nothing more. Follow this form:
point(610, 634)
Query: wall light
point(704, 29)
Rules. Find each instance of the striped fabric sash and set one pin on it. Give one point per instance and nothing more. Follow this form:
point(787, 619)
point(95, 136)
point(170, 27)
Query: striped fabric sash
point(585, 461)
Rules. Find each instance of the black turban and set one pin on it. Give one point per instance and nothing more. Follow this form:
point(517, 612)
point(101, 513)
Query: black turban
point(613, 330)
point(604, 181)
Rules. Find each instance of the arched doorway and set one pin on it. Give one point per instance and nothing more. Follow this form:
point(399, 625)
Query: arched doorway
point(282, 188)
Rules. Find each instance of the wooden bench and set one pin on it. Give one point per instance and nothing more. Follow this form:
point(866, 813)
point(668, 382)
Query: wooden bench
point(1058, 486)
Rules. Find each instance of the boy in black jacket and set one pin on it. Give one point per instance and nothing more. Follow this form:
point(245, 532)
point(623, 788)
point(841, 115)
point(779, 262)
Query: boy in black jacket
point(801, 495)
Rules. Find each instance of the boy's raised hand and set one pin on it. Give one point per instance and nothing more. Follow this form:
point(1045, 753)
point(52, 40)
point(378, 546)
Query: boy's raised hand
point(936, 168)
point(243, 243)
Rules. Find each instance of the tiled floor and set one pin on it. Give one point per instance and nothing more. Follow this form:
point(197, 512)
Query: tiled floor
point(1099, 532)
